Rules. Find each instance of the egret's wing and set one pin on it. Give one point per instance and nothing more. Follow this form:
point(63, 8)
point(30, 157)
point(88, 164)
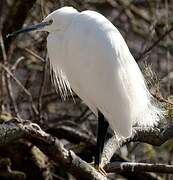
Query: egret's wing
point(96, 70)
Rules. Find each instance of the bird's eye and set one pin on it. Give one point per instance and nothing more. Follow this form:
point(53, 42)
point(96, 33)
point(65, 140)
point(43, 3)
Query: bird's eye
point(50, 21)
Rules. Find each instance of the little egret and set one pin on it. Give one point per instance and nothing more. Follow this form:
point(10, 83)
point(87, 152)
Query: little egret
point(88, 54)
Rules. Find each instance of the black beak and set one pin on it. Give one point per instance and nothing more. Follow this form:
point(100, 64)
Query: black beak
point(31, 28)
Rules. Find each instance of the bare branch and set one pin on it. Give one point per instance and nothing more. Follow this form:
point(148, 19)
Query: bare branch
point(55, 150)
point(9, 132)
point(42, 87)
point(153, 136)
point(22, 87)
point(8, 80)
point(138, 167)
point(154, 44)
point(34, 54)
point(13, 68)
point(50, 145)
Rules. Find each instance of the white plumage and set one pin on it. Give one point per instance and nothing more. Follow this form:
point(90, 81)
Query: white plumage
point(90, 56)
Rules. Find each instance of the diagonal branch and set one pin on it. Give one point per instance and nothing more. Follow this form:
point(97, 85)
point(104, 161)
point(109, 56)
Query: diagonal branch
point(154, 44)
point(51, 146)
point(7, 70)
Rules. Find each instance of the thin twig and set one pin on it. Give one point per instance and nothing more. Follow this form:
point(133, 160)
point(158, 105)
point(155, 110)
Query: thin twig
point(12, 99)
point(4, 55)
point(42, 87)
point(2, 79)
point(7, 79)
point(13, 68)
point(154, 44)
point(34, 54)
point(161, 99)
point(22, 87)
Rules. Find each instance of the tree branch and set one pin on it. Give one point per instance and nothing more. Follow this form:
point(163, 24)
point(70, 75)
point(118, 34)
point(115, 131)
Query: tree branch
point(54, 149)
point(138, 167)
point(147, 50)
point(9, 132)
point(153, 136)
point(51, 146)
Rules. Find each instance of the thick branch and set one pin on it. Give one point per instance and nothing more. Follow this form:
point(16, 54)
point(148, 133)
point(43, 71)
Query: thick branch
point(9, 132)
point(138, 167)
point(50, 145)
point(153, 136)
point(55, 150)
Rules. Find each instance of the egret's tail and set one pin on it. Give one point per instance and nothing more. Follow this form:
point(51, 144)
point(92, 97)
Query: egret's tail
point(150, 116)
point(145, 110)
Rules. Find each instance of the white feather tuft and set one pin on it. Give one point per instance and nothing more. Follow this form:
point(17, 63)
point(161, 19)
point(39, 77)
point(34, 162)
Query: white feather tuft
point(144, 109)
point(61, 83)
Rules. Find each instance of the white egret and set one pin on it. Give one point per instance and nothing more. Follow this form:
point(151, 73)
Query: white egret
point(88, 54)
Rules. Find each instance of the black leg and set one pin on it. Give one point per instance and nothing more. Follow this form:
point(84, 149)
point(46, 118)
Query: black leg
point(101, 134)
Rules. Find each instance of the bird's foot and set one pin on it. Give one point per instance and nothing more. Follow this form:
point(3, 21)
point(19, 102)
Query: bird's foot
point(100, 170)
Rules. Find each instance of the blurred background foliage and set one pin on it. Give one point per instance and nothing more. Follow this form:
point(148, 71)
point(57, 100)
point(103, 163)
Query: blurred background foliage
point(29, 94)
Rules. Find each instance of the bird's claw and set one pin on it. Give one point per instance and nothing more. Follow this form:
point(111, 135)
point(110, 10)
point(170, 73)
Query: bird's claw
point(100, 170)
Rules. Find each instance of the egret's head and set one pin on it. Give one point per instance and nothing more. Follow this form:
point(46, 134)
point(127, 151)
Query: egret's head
point(56, 21)
point(60, 19)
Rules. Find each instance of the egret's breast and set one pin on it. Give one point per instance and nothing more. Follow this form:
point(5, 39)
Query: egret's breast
point(56, 50)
